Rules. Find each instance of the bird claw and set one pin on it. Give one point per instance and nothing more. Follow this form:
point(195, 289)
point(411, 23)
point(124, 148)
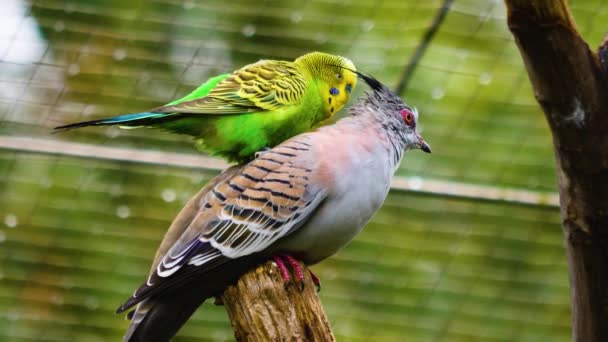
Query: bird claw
point(286, 261)
point(282, 268)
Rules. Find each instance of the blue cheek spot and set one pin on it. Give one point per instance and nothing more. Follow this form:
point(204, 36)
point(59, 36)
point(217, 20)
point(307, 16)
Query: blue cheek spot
point(348, 88)
point(334, 91)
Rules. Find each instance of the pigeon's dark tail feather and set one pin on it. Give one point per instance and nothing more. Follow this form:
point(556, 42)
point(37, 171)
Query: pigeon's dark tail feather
point(134, 120)
point(159, 318)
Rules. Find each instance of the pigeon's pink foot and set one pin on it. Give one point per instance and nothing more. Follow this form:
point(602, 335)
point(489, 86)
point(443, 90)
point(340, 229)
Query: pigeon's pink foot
point(282, 267)
point(285, 262)
point(295, 266)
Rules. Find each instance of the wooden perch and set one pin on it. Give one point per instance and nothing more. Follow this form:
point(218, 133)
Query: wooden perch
point(571, 84)
point(262, 307)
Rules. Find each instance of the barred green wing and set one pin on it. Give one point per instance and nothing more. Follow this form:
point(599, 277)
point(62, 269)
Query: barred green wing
point(262, 86)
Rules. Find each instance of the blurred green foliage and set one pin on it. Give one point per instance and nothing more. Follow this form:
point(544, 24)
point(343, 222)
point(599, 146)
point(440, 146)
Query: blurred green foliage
point(77, 235)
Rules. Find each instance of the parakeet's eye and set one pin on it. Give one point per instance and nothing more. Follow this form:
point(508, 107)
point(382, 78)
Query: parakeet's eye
point(334, 91)
point(339, 76)
point(348, 88)
point(408, 117)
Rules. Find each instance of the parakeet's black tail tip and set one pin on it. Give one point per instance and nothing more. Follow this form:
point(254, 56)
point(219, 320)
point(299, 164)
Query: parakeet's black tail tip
point(132, 120)
point(76, 125)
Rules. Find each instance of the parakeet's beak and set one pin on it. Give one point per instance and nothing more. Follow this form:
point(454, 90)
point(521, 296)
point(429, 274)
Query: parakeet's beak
point(423, 144)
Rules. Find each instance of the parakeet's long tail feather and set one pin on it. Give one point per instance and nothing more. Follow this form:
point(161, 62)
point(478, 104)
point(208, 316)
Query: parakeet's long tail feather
point(133, 120)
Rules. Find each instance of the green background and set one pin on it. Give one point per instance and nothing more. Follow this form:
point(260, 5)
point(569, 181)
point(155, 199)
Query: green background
point(77, 234)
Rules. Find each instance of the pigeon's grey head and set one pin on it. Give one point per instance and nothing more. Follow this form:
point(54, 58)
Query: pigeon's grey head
point(397, 118)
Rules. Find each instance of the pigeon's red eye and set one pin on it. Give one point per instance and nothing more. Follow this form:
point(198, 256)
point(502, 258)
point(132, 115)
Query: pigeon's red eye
point(408, 117)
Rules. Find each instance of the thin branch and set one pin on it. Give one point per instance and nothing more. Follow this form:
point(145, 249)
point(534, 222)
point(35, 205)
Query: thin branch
point(421, 49)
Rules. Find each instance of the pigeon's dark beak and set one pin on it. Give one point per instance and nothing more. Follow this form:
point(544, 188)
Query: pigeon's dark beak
point(425, 147)
point(422, 144)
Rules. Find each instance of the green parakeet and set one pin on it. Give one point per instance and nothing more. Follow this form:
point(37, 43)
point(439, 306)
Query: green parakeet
point(258, 106)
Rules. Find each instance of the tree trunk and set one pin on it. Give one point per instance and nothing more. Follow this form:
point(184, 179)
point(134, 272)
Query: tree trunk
point(571, 84)
point(262, 307)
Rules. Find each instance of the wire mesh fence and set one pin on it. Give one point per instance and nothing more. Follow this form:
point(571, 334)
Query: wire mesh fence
point(77, 234)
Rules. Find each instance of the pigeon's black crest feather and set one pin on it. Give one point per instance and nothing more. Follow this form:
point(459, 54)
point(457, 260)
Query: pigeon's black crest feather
point(371, 81)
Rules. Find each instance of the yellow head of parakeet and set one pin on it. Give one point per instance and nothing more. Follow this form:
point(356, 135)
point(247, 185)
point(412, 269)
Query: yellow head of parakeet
point(337, 76)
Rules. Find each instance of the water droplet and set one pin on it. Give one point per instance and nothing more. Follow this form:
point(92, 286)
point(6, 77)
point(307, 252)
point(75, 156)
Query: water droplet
point(437, 93)
point(69, 8)
point(45, 182)
point(115, 190)
point(10, 220)
point(73, 69)
point(2, 236)
point(296, 17)
point(168, 195)
point(119, 54)
point(57, 299)
point(248, 30)
point(220, 335)
point(97, 229)
point(112, 132)
point(145, 76)
point(415, 183)
point(59, 26)
point(485, 78)
point(92, 303)
point(123, 211)
point(89, 110)
point(67, 284)
point(367, 25)
point(320, 38)
point(196, 178)
point(188, 5)
point(366, 278)
point(13, 315)
point(329, 274)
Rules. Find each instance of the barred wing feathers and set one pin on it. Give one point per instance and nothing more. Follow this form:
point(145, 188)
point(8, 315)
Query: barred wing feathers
point(263, 86)
point(245, 214)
